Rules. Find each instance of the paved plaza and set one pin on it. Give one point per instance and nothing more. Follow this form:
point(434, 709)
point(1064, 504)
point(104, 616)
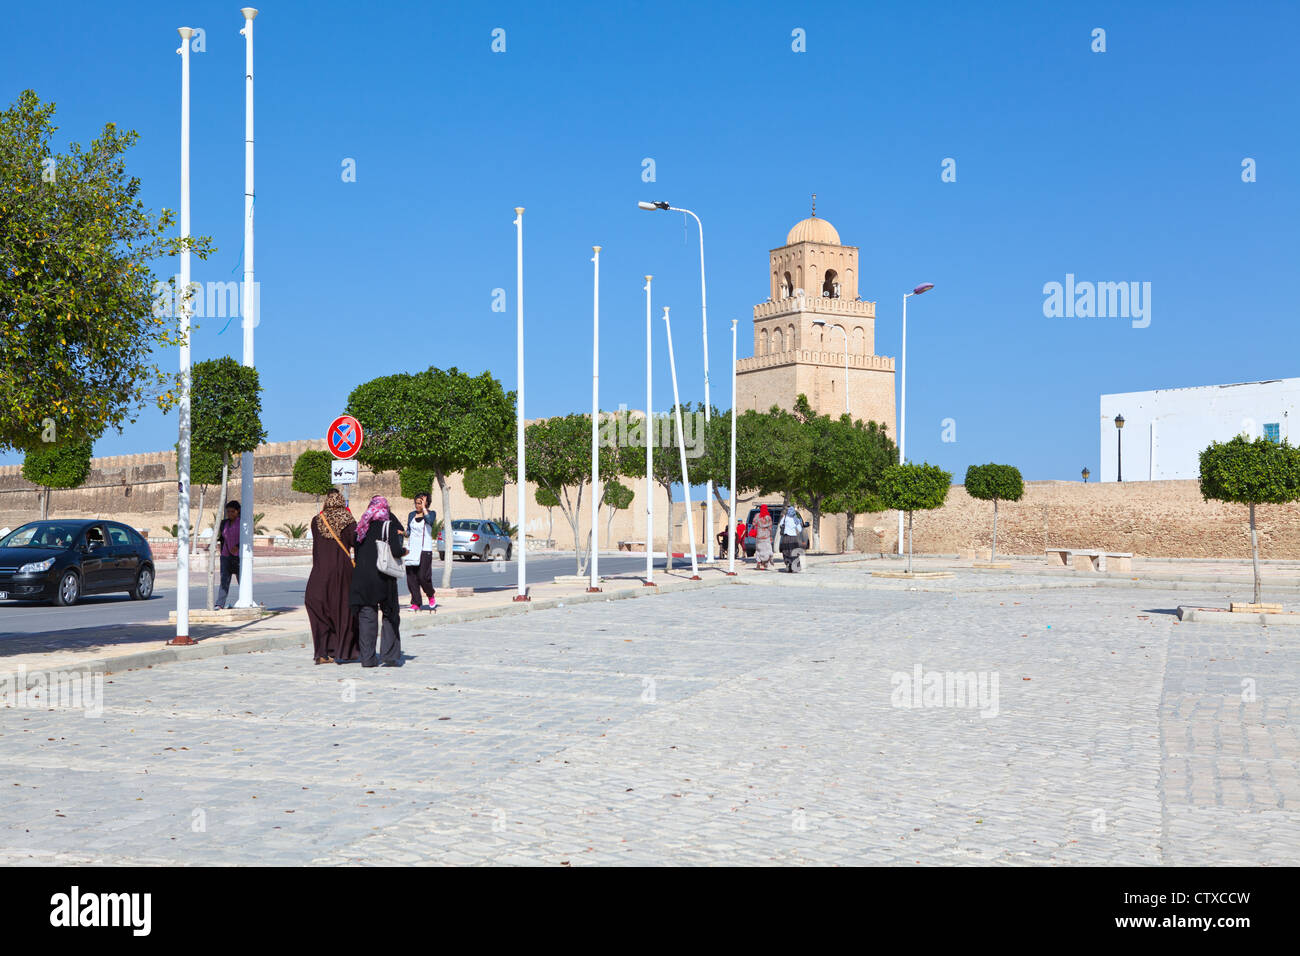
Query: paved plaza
point(779, 720)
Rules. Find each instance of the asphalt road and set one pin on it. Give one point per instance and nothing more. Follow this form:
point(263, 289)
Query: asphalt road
point(276, 587)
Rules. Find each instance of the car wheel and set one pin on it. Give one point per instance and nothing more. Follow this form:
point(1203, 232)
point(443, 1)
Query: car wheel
point(68, 589)
point(143, 589)
point(509, 551)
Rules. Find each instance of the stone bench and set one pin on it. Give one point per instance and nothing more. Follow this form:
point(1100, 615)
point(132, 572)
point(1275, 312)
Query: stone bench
point(1085, 559)
point(631, 546)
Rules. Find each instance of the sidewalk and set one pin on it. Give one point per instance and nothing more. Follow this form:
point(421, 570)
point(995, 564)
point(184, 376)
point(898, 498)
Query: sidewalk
point(145, 645)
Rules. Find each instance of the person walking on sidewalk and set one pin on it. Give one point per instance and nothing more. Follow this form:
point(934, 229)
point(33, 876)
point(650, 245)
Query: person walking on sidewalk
point(329, 587)
point(374, 592)
point(762, 538)
point(228, 534)
point(419, 554)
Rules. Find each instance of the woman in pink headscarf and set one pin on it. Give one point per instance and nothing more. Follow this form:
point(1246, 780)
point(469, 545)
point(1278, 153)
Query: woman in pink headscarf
point(763, 538)
point(373, 592)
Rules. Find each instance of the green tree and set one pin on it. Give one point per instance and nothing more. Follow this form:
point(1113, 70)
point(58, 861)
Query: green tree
point(313, 473)
point(994, 483)
point(56, 465)
point(616, 497)
point(1251, 473)
point(415, 480)
point(914, 488)
point(863, 450)
point(558, 453)
point(205, 471)
point(550, 501)
point(226, 420)
point(442, 420)
point(78, 322)
point(483, 483)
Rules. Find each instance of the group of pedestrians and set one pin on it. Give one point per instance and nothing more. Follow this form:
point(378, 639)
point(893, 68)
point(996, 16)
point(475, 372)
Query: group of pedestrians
point(352, 601)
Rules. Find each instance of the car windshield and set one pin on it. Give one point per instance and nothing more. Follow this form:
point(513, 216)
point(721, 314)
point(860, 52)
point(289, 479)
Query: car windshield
point(465, 525)
point(42, 534)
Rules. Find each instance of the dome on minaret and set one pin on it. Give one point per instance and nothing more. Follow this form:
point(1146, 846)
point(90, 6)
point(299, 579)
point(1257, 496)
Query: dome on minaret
point(813, 229)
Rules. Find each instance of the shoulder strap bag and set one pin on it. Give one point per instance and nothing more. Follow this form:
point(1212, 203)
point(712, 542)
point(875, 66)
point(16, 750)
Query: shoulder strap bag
point(330, 528)
point(385, 561)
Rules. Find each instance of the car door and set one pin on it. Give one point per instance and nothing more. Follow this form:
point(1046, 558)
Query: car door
point(126, 556)
point(96, 560)
point(497, 540)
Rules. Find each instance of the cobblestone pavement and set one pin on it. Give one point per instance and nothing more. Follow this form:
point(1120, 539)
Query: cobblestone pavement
point(751, 724)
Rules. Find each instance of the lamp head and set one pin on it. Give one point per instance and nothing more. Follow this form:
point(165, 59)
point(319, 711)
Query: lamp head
point(1119, 421)
point(819, 321)
point(923, 287)
point(250, 13)
point(652, 205)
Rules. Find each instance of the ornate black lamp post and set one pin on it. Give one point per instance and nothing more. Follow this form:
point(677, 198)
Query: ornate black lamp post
point(1119, 447)
point(1086, 473)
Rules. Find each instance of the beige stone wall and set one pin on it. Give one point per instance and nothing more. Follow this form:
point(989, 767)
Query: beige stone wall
point(141, 490)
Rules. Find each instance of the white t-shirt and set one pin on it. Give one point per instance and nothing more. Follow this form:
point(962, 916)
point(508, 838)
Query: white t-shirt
point(419, 538)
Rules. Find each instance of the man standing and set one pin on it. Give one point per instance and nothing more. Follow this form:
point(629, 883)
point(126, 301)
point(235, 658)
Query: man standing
point(420, 536)
point(228, 533)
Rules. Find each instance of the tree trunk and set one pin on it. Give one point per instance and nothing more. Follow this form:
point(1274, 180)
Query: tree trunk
point(849, 543)
point(994, 553)
point(909, 543)
point(550, 527)
point(817, 527)
point(609, 527)
point(45, 503)
point(447, 533)
point(194, 538)
point(668, 537)
point(214, 546)
point(1254, 550)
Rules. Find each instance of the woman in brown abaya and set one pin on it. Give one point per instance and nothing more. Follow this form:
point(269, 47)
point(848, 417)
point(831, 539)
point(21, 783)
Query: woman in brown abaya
point(333, 623)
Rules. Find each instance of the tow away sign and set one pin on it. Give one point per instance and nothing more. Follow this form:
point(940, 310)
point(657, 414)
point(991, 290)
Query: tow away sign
point(343, 472)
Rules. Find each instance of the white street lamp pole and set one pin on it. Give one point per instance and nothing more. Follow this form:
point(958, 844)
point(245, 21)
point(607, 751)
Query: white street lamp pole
point(731, 525)
point(245, 598)
point(595, 419)
point(521, 593)
point(681, 447)
point(704, 319)
point(183, 297)
point(902, 410)
point(649, 447)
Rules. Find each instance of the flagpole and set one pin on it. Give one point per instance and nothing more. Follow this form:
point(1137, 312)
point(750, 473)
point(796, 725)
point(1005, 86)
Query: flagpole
point(649, 447)
point(595, 420)
point(681, 446)
point(521, 500)
point(246, 526)
point(183, 298)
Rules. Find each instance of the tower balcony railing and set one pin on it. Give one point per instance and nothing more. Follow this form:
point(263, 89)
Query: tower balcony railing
point(826, 305)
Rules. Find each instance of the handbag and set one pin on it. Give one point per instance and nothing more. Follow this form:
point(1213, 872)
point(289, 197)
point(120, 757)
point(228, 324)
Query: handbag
point(330, 528)
point(385, 561)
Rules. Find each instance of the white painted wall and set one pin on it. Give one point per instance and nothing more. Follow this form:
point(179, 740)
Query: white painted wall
point(1165, 430)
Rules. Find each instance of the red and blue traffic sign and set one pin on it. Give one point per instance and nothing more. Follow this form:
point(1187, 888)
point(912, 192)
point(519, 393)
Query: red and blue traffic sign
point(344, 436)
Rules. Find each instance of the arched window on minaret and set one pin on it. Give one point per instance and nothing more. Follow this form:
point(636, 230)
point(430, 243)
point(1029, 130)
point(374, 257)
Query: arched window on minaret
point(762, 342)
point(789, 333)
point(777, 345)
point(787, 290)
point(859, 340)
point(831, 287)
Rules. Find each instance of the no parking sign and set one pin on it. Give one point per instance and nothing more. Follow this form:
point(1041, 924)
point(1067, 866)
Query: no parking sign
point(344, 437)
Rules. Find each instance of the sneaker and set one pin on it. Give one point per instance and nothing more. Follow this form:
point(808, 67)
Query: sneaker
point(415, 607)
point(433, 604)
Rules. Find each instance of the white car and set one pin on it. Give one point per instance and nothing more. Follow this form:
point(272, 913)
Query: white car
point(476, 538)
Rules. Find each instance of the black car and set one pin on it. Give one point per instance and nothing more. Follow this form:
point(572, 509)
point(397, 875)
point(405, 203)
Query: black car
point(60, 561)
point(776, 511)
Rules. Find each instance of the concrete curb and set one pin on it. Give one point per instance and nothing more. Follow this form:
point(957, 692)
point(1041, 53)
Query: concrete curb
point(254, 643)
point(1201, 615)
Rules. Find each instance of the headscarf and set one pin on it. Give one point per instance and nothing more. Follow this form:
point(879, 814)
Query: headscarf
point(764, 520)
point(335, 512)
point(378, 511)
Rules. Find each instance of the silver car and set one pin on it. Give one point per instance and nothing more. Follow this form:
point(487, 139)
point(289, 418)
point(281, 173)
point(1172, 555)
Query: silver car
point(476, 538)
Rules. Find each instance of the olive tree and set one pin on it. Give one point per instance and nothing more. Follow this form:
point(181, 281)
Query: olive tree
point(914, 488)
point(1251, 473)
point(994, 483)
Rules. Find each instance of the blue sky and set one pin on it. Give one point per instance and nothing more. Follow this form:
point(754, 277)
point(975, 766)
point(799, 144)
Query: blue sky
point(1115, 166)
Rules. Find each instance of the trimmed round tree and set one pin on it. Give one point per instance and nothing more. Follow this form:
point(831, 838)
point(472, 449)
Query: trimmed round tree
point(617, 497)
point(1251, 473)
point(550, 501)
point(914, 488)
point(57, 465)
point(483, 483)
point(312, 473)
point(994, 483)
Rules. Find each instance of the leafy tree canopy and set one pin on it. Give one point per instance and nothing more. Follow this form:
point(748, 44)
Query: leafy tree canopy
point(78, 329)
point(312, 472)
point(488, 482)
point(226, 408)
point(914, 487)
point(1250, 472)
point(617, 496)
point(994, 482)
point(58, 464)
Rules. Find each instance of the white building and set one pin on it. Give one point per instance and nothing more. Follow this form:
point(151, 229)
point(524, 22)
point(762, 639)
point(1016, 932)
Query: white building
point(1165, 430)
